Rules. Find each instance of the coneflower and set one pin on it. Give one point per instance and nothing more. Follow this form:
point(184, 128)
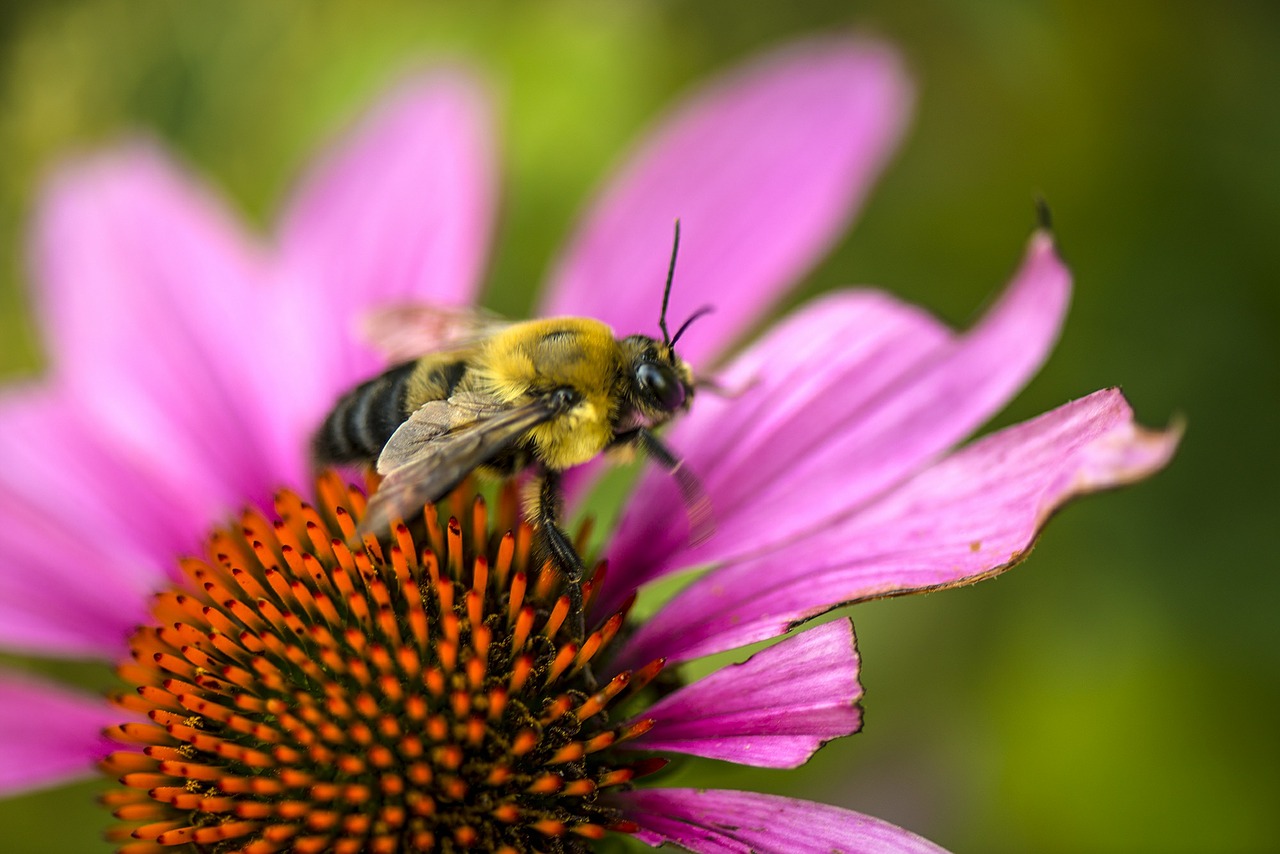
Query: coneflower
point(190, 365)
point(424, 694)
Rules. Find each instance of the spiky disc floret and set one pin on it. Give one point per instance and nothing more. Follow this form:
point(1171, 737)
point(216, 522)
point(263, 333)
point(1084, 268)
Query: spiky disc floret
point(416, 695)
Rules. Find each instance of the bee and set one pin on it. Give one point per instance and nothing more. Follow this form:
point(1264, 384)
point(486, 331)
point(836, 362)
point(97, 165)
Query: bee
point(503, 398)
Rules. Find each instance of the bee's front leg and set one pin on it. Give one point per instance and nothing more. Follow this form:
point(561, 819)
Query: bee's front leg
point(696, 503)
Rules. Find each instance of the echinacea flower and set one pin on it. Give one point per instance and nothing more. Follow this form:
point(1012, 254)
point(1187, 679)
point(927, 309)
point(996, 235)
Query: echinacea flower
point(427, 695)
point(189, 365)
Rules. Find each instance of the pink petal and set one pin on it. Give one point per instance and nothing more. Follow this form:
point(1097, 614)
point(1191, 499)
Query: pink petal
point(764, 168)
point(844, 400)
point(48, 736)
point(86, 536)
point(968, 517)
point(399, 211)
point(718, 821)
point(773, 710)
point(152, 307)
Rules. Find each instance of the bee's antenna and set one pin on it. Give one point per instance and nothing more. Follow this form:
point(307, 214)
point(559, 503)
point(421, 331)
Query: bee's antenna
point(706, 309)
point(666, 292)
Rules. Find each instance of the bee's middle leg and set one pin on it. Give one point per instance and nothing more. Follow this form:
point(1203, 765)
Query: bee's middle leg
point(547, 511)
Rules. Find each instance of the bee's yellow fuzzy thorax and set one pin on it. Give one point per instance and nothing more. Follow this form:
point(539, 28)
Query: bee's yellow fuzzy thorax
point(539, 355)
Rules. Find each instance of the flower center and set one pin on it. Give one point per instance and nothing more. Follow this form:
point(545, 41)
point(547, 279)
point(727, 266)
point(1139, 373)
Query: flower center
point(413, 695)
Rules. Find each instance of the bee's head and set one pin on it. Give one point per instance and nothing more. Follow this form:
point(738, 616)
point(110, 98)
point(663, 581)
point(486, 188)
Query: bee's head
point(662, 383)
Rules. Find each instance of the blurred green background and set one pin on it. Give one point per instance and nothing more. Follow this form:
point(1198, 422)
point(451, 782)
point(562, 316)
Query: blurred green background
point(1116, 693)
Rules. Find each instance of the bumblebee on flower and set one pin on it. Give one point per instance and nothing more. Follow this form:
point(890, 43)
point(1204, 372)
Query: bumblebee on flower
point(541, 395)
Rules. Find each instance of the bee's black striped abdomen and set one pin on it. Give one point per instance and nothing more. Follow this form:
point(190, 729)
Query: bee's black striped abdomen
point(364, 419)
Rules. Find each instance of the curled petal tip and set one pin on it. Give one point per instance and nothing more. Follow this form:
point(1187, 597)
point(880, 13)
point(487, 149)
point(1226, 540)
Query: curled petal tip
point(1044, 216)
point(1129, 453)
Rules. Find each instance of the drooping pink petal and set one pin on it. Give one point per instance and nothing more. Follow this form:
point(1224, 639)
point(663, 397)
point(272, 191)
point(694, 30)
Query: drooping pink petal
point(719, 821)
point(843, 400)
point(152, 307)
point(400, 211)
point(773, 710)
point(764, 168)
point(966, 518)
point(86, 536)
point(48, 735)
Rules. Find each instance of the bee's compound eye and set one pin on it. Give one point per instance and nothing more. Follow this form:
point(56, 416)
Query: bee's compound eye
point(660, 384)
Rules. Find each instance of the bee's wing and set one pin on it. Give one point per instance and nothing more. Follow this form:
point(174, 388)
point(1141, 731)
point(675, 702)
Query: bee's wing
point(442, 442)
point(404, 331)
point(427, 424)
